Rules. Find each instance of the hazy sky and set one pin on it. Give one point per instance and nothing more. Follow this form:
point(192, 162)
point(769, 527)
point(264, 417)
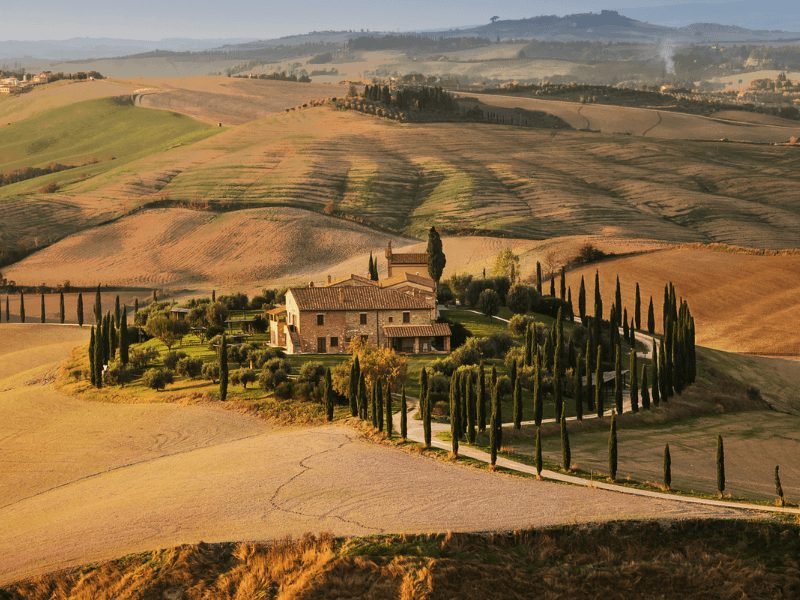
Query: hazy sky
point(155, 19)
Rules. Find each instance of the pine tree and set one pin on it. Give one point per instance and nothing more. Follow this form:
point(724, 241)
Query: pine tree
point(21, 307)
point(634, 382)
point(481, 398)
point(781, 500)
point(61, 315)
point(618, 383)
point(612, 449)
point(667, 468)
point(92, 370)
point(598, 383)
point(124, 355)
point(455, 423)
point(43, 315)
point(389, 415)
point(403, 414)
point(223, 368)
point(582, 301)
point(637, 309)
point(651, 318)
point(379, 405)
point(517, 399)
point(328, 395)
point(566, 453)
point(539, 277)
point(494, 444)
point(645, 389)
point(537, 450)
point(578, 389)
point(656, 384)
point(720, 466)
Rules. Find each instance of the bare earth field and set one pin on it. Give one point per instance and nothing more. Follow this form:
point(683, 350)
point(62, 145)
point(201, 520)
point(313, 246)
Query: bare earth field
point(742, 302)
point(82, 482)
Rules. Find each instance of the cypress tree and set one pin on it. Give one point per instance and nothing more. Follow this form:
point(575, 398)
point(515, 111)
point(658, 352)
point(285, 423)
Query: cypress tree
point(563, 288)
point(373, 409)
point(499, 412)
point(582, 301)
point(389, 416)
point(352, 388)
point(779, 487)
point(98, 359)
point(720, 466)
point(528, 358)
point(656, 384)
point(637, 309)
point(8, 311)
point(589, 369)
point(21, 307)
point(618, 380)
point(379, 404)
point(570, 308)
point(625, 330)
point(123, 337)
point(634, 382)
point(136, 308)
point(537, 449)
point(645, 389)
point(98, 306)
point(538, 410)
point(92, 370)
point(471, 410)
point(539, 277)
point(481, 399)
point(578, 389)
point(493, 427)
point(612, 449)
point(43, 316)
point(598, 299)
point(517, 404)
point(362, 397)
point(667, 468)
point(552, 286)
point(455, 423)
point(213, 296)
point(618, 302)
point(557, 395)
point(403, 414)
point(651, 318)
point(329, 395)
point(598, 383)
point(113, 339)
point(370, 267)
point(426, 413)
point(223, 368)
point(566, 453)
point(61, 316)
point(662, 379)
point(117, 312)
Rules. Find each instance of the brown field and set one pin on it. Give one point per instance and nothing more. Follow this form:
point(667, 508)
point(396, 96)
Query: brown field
point(742, 302)
point(77, 477)
point(620, 120)
point(55, 95)
point(52, 309)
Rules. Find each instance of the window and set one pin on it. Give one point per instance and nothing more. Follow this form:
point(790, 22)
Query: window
point(406, 317)
point(391, 319)
point(334, 342)
point(320, 320)
point(364, 338)
point(362, 318)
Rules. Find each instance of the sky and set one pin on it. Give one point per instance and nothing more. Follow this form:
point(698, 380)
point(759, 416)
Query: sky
point(158, 19)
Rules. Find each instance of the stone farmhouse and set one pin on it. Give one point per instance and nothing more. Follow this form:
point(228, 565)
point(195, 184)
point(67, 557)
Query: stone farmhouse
point(399, 313)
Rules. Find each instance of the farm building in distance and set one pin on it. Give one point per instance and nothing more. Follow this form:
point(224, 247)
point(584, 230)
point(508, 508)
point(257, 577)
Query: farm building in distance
point(399, 313)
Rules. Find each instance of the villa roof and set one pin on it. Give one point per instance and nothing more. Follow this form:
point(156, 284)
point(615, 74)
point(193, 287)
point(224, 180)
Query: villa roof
point(409, 331)
point(355, 298)
point(410, 278)
point(410, 258)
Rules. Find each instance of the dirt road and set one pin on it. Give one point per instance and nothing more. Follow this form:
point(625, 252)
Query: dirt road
point(82, 482)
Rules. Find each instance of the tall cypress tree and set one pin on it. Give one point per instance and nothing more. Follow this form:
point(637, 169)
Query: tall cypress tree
point(582, 301)
point(43, 315)
point(578, 389)
point(426, 403)
point(481, 398)
point(8, 311)
point(371, 268)
point(403, 414)
point(436, 257)
point(720, 466)
point(389, 415)
point(558, 398)
point(598, 298)
point(471, 409)
point(379, 404)
point(598, 383)
point(618, 302)
point(589, 370)
point(566, 453)
point(373, 408)
point(61, 315)
point(645, 389)
point(618, 379)
point(455, 422)
point(781, 500)
point(352, 389)
point(634, 382)
point(117, 312)
point(563, 288)
point(92, 370)
point(499, 412)
point(329, 395)
point(667, 468)
point(662, 379)
point(98, 306)
point(80, 309)
point(223, 368)
point(656, 391)
point(651, 318)
point(21, 307)
point(552, 285)
point(98, 358)
point(537, 452)
point(494, 444)
point(538, 410)
point(539, 277)
point(637, 309)
point(136, 308)
point(362, 397)
point(123, 337)
point(612, 449)
point(517, 398)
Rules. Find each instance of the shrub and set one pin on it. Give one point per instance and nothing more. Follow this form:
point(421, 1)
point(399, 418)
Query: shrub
point(489, 302)
point(445, 366)
point(190, 367)
point(495, 346)
point(459, 333)
point(504, 385)
point(140, 358)
point(520, 298)
point(262, 356)
point(210, 371)
point(118, 374)
point(284, 390)
point(171, 359)
point(270, 380)
point(547, 305)
point(588, 254)
point(439, 386)
point(468, 354)
point(158, 379)
point(444, 295)
point(311, 372)
point(277, 364)
point(518, 324)
point(243, 377)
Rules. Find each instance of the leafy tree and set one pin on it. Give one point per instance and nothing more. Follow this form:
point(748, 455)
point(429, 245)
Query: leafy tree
point(193, 368)
point(612, 449)
point(720, 466)
point(520, 299)
point(157, 379)
point(566, 454)
point(436, 257)
point(222, 358)
point(403, 414)
point(169, 331)
point(779, 487)
point(667, 468)
point(119, 374)
point(489, 302)
point(507, 265)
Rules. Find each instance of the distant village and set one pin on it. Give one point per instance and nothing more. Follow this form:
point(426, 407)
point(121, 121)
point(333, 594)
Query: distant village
point(12, 84)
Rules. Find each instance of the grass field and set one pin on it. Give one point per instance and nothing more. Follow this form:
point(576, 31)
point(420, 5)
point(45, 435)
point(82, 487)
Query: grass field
point(721, 559)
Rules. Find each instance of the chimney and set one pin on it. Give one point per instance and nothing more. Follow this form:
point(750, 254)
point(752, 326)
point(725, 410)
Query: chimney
point(389, 250)
point(311, 284)
point(330, 279)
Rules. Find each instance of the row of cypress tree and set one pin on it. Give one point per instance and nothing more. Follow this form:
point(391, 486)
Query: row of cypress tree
point(109, 336)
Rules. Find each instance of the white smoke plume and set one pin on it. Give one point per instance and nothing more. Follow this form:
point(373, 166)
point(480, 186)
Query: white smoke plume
point(667, 52)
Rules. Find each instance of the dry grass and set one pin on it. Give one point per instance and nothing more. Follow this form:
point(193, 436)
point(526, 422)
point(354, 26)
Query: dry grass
point(698, 559)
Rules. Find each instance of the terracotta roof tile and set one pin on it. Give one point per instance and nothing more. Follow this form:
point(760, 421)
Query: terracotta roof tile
point(412, 258)
point(356, 298)
point(406, 331)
